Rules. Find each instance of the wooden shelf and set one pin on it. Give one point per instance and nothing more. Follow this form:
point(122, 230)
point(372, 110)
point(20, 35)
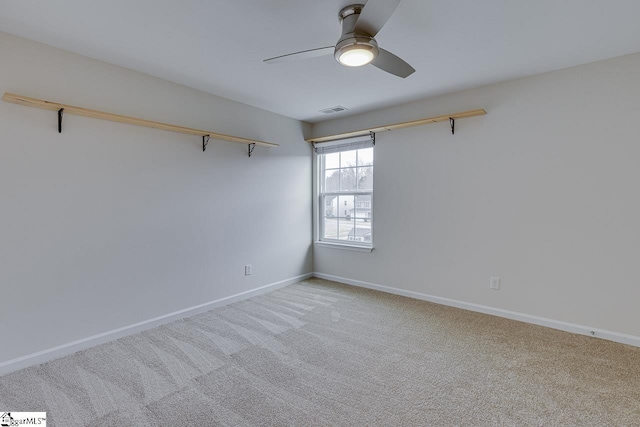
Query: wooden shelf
point(443, 118)
point(70, 109)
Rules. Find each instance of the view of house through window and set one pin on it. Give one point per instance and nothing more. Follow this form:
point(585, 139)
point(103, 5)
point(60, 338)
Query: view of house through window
point(346, 190)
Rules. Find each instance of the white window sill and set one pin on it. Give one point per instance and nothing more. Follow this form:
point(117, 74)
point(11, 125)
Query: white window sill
point(344, 246)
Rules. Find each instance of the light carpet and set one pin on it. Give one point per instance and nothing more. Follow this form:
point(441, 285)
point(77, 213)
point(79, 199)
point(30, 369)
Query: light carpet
point(319, 353)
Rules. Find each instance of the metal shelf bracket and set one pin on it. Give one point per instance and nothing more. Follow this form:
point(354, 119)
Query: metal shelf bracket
point(60, 112)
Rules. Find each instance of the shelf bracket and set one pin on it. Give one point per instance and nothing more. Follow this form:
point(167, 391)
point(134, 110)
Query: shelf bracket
point(60, 111)
point(205, 141)
point(250, 148)
point(452, 122)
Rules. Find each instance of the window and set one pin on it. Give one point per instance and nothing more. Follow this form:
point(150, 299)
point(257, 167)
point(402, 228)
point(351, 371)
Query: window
point(346, 192)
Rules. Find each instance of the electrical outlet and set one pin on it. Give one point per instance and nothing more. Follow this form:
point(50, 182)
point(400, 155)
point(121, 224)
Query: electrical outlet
point(247, 270)
point(494, 283)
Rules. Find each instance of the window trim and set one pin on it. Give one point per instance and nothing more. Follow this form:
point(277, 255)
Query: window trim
point(320, 207)
point(344, 246)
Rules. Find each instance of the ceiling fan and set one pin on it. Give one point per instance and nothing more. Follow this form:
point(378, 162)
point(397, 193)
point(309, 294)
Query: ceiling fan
point(357, 45)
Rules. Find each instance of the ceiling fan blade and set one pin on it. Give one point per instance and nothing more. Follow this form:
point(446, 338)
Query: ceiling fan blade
point(390, 63)
point(311, 53)
point(374, 15)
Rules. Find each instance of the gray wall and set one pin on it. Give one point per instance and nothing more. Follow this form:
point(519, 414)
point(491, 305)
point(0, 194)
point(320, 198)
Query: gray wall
point(109, 224)
point(542, 191)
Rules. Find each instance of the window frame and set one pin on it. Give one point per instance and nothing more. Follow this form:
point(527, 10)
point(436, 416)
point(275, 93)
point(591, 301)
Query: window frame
point(320, 210)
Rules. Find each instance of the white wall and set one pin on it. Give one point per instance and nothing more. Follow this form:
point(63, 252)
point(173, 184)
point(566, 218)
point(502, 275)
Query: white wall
point(107, 224)
point(543, 192)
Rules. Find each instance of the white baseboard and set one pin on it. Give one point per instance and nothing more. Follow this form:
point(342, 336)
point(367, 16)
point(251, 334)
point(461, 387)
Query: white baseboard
point(527, 318)
point(84, 343)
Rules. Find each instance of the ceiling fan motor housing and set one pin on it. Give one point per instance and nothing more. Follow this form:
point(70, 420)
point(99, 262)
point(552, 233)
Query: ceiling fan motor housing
point(350, 40)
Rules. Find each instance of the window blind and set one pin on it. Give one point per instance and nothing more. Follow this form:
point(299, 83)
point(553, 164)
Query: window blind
point(345, 144)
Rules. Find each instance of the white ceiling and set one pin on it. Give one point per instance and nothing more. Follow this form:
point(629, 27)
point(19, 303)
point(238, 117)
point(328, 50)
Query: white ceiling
point(218, 45)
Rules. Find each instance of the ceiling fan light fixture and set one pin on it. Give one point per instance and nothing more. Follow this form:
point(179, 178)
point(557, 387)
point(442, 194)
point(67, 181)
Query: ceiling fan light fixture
point(357, 46)
point(356, 51)
point(356, 57)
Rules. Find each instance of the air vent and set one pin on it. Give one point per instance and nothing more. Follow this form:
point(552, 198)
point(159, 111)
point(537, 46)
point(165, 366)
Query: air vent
point(336, 109)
